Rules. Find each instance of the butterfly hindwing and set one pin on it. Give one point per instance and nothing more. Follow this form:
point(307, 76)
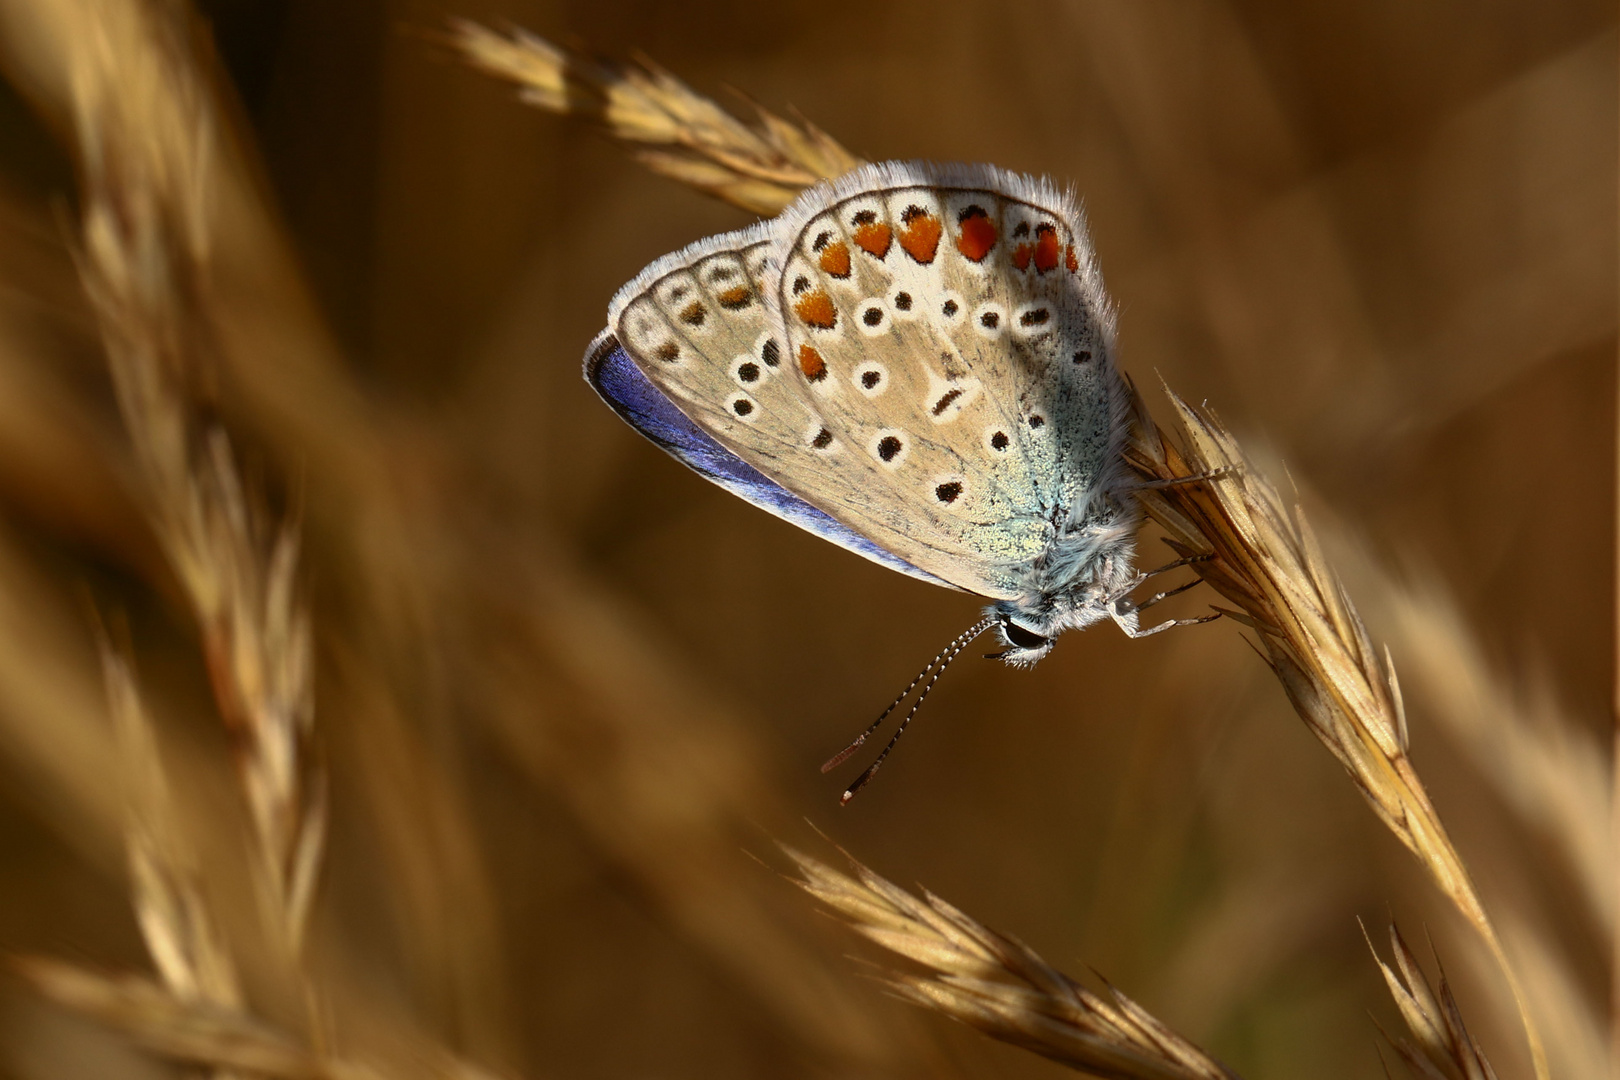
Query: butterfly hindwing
point(950, 329)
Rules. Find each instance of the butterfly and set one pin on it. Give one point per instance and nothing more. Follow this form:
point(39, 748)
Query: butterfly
point(914, 361)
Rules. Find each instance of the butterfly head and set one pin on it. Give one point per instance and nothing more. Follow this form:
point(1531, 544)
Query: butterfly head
point(1025, 645)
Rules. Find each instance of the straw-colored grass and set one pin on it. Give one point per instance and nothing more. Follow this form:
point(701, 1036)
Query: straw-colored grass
point(1440, 1047)
point(1262, 556)
point(670, 128)
point(999, 986)
point(146, 135)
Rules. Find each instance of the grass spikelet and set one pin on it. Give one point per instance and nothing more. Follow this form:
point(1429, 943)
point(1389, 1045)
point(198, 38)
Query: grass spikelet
point(1264, 558)
point(145, 134)
point(675, 131)
point(180, 933)
point(215, 1036)
point(999, 986)
point(1440, 1047)
point(168, 1023)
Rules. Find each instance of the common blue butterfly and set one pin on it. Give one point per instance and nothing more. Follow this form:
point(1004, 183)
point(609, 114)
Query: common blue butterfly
point(915, 362)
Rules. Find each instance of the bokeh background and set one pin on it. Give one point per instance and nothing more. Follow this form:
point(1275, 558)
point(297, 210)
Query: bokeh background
point(570, 695)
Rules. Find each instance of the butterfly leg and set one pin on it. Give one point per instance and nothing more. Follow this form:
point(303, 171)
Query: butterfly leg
point(1177, 565)
point(1124, 610)
point(1132, 605)
point(1121, 600)
point(1126, 620)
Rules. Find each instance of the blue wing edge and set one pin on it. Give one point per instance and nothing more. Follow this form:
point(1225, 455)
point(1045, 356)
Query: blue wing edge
point(613, 374)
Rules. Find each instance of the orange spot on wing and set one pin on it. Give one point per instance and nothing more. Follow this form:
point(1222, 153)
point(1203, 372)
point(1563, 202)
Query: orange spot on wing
point(736, 297)
point(1047, 248)
point(919, 234)
point(1021, 255)
point(1069, 259)
point(873, 238)
point(835, 259)
point(811, 363)
point(978, 235)
point(816, 308)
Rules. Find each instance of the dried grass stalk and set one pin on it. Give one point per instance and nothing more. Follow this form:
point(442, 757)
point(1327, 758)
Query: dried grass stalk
point(1263, 556)
point(676, 131)
point(999, 986)
point(1538, 758)
point(1440, 1047)
point(146, 132)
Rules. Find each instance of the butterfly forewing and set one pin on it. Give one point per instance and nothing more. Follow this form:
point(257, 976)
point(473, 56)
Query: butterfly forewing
point(696, 324)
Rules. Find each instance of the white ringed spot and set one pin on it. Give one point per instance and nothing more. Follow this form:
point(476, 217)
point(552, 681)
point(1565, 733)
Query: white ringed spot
point(743, 407)
point(905, 302)
point(872, 316)
point(990, 319)
point(749, 370)
point(890, 447)
point(947, 490)
point(819, 438)
point(871, 378)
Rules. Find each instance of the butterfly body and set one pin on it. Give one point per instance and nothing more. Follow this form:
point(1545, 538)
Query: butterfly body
point(914, 361)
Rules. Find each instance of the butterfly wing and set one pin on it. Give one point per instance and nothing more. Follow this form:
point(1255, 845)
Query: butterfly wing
point(920, 354)
point(710, 371)
point(948, 327)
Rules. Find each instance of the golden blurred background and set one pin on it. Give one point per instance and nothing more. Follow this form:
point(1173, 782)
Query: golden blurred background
point(569, 696)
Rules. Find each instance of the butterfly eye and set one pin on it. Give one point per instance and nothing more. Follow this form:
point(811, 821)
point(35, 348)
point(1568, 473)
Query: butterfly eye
point(1022, 638)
